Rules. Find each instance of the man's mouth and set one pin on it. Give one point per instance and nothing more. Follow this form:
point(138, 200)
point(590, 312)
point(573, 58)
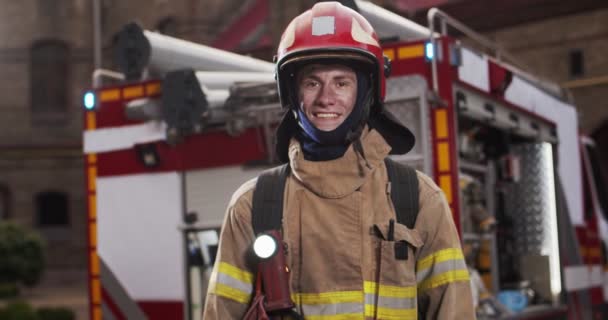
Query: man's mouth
point(326, 115)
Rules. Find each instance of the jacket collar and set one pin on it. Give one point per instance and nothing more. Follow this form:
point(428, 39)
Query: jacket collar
point(340, 177)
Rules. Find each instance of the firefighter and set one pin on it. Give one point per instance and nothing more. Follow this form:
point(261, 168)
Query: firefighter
point(345, 254)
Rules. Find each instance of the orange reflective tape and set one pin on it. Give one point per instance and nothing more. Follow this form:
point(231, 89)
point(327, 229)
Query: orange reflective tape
point(594, 252)
point(91, 120)
point(109, 95)
point(441, 124)
point(94, 264)
point(95, 291)
point(92, 207)
point(97, 313)
point(408, 52)
point(93, 234)
point(133, 92)
point(445, 183)
point(91, 158)
point(487, 280)
point(443, 156)
point(92, 178)
point(152, 88)
point(389, 53)
point(484, 261)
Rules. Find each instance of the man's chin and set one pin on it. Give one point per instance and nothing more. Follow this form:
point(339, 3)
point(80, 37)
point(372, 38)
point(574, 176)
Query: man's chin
point(326, 126)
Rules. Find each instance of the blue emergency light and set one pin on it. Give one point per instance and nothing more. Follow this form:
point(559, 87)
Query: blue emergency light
point(89, 100)
point(429, 50)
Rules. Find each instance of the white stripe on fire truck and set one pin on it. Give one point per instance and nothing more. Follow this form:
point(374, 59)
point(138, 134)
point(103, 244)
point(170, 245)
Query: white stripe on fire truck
point(597, 275)
point(119, 295)
point(123, 137)
point(577, 277)
point(582, 277)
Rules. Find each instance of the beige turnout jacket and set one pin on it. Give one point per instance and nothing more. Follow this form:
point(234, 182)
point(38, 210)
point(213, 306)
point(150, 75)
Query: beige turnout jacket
point(339, 267)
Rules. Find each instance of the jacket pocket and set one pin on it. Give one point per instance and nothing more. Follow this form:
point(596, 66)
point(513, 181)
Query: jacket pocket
point(396, 265)
point(393, 293)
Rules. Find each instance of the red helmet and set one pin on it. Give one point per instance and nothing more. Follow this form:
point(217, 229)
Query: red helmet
point(330, 31)
point(333, 33)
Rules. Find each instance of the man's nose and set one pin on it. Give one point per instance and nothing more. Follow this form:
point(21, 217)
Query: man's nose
point(327, 96)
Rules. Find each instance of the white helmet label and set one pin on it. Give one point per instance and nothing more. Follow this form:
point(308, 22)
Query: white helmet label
point(323, 25)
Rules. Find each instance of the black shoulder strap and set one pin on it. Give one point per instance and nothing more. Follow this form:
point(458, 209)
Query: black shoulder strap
point(267, 206)
point(404, 191)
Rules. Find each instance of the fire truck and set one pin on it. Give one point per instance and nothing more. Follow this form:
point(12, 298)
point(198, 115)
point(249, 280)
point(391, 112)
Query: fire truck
point(180, 126)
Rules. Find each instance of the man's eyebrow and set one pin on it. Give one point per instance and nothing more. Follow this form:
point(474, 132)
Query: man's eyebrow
point(344, 76)
point(309, 76)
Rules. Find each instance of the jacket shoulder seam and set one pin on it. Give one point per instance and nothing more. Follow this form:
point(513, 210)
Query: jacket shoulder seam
point(242, 192)
point(426, 182)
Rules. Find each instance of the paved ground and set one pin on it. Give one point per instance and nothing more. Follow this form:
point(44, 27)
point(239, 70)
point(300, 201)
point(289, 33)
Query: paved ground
point(61, 288)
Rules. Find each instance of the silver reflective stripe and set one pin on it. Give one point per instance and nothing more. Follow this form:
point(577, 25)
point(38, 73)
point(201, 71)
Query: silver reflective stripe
point(389, 302)
point(119, 295)
point(234, 283)
point(439, 268)
point(332, 309)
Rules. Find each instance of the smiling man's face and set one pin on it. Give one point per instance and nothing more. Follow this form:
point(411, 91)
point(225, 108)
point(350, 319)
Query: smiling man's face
point(327, 94)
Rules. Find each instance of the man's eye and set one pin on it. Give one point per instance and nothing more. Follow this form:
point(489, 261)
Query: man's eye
point(310, 84)
point(343, 84)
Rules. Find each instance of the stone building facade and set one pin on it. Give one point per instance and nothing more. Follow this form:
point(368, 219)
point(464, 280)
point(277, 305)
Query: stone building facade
point(46, 62)
point(46, 59)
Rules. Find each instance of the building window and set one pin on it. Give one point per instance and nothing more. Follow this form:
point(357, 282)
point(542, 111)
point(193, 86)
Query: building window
point(577, 65)
point(49, 69)
point(5, 198)
point(52, 209)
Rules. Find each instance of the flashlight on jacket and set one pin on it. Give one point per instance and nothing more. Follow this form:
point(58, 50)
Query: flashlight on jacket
point(268, 247)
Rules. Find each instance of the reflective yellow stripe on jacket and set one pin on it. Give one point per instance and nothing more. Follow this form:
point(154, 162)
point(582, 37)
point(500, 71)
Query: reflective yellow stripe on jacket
point(335, 305)
point(392, 303)
point(232, 283)
point(440, 268)
point(381, 302)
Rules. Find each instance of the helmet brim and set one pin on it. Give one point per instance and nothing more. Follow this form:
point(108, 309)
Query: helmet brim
point(326, 56)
